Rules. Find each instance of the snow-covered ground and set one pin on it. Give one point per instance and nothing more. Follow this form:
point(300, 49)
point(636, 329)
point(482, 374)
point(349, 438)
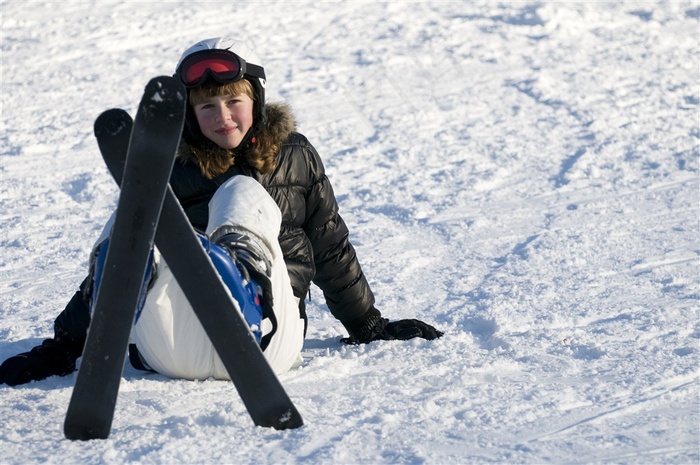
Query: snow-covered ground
point(524, 175)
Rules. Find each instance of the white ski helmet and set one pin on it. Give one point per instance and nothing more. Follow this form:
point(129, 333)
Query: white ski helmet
point(222, 60)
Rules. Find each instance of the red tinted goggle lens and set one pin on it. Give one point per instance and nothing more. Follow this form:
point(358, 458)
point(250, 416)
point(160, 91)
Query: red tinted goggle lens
point(222, 67)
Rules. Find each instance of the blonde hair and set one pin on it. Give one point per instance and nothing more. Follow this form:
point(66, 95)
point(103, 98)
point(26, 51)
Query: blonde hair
point(201, 93)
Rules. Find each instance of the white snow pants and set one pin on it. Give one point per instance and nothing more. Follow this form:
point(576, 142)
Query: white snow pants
point(168, 334)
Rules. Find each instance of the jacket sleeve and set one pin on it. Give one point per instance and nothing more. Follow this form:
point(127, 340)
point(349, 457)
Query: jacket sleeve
point(338, 271)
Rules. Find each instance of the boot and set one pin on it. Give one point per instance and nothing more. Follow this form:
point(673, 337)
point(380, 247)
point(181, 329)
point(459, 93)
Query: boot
point(249, 253)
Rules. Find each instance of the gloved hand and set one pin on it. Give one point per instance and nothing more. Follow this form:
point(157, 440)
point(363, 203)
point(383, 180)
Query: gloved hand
point(408, 329)
point(373, 327)
point(52, 357)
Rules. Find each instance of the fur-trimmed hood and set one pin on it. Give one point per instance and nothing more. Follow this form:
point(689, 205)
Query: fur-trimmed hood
point(261, 155)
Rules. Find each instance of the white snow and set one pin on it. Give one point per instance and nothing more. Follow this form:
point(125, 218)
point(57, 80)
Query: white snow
point(524, 175)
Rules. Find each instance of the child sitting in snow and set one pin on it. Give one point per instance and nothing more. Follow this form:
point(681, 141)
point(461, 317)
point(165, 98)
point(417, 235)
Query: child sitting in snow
point(258, 188)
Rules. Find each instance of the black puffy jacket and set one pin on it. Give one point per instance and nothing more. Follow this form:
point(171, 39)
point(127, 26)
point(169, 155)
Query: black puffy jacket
point(313, 237)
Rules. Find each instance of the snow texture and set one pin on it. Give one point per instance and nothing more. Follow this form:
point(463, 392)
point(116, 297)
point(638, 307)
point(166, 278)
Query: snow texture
point(523, 175)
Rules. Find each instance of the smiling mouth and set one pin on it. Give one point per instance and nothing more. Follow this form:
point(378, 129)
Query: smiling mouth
point(225, 131)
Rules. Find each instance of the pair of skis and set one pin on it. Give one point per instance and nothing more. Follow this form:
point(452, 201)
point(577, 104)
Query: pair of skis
point(140, 156)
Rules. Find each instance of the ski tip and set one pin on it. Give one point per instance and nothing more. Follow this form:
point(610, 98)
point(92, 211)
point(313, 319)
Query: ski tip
point(112, 122)
point(166, 89)
point(164, 101)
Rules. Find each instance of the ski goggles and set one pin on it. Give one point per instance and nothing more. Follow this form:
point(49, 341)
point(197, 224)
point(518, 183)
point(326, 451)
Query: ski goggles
point(222, 66)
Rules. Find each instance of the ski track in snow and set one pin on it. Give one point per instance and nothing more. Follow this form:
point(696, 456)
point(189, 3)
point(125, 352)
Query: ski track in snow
point(524, 175)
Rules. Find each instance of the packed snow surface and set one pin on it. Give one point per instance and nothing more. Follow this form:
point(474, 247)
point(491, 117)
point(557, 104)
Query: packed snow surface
point(523, 175)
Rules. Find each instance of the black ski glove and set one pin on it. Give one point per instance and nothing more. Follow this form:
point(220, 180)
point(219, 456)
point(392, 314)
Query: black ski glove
point(372, 327)
point(52, 357)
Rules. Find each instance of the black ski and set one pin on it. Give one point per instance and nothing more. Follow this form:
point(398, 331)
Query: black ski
point(259, 388)
point(151, 151)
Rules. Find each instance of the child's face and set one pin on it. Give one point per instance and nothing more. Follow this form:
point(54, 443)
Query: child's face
point(225, 119)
